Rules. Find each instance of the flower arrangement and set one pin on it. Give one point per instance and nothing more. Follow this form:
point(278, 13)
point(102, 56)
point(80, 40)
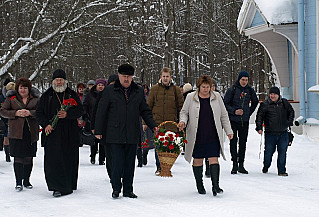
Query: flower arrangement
point(67, 103)
point(168, 141)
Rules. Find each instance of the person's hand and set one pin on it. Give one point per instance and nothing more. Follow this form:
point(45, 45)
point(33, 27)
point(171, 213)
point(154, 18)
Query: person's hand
point(181, 125)
point(93, 131)
point(19, 113)
point(230, 136)
point(98, 136)
point(144, 127)
point(239, 112)
point(48, 129)
point(156, 129)
point(62, 114)
point(260, 131)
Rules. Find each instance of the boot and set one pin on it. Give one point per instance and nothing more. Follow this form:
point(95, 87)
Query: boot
point(235, 168)
point(214, 171)
point(7, 151)
point(1, 143)
point(18, 171)
point(139, 157)
point(207, 172)
point(241, 168)
point(145, 152)
point(26, 176)
point(198, 174)
point(92, 159)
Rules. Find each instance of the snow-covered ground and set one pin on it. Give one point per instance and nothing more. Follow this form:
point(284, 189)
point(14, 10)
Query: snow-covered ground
point(255, 194)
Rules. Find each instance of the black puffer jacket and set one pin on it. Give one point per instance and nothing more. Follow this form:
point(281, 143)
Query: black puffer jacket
point(117, 119)
point(277, 116)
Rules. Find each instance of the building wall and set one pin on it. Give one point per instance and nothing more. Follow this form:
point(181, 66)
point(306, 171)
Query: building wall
point(311, 57)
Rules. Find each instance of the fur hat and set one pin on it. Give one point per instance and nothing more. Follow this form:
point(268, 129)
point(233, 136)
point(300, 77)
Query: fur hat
point(126, 69)
point(10, 86)
point(112, 78)
point(6, 81)
point(100, 81)
point(187, 87)
point(243, 74)
point(90, 82)
point(59, 73)
point(274, 90)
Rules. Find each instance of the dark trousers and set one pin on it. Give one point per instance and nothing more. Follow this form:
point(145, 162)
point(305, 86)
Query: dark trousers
point(240, 133)
point(98, 145)
point(108, 157)
point(281, 142)
point(123, 165)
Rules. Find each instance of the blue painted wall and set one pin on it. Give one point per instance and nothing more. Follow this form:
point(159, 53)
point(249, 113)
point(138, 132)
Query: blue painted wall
point(311, 58)
point(258, 20)
point(288, 91)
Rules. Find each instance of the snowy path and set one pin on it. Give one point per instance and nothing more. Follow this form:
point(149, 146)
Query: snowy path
point(255, 194)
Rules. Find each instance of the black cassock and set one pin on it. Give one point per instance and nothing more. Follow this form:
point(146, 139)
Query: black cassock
point(61, 146)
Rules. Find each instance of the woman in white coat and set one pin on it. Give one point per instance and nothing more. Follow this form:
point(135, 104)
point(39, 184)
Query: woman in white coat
point(205, 116)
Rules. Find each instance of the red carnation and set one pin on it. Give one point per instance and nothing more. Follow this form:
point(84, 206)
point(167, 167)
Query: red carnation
point(166, 143)
point(12, 98)
point(176, 135)
point(157, 136)
point(185, 141)
point(171, 146)
point(161, 139)
point(147, 140)
point(161, 134)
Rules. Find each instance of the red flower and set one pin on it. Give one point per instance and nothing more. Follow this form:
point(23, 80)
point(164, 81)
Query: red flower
point(157, 136)
point(147, 141)
point(161, 139)
point(166, 138)
point(171, 138)
point(40, 130)
point(166, 143)
point(12, 98)
point(176, 135)
point(73, 102)
point(185, 141)
point(171, 146)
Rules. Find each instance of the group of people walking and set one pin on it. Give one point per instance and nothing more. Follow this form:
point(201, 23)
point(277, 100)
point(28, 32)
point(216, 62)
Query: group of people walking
point(117, 110)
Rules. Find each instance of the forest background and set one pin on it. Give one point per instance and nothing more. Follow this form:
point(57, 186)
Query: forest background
point(90, 39)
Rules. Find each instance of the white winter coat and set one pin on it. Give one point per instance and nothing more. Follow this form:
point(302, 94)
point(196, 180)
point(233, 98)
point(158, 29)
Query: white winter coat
point(190, 114)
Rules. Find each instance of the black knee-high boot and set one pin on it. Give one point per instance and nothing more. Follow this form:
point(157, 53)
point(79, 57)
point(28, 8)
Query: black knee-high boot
point(207, 171)
point(18, 171)
point(139, 157)
point(214, 171)
point(198, 174)
point(26, 176)
point(7, 151)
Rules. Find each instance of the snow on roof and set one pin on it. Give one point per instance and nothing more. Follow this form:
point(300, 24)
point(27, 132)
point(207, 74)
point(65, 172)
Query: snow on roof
point(314, 88)
point(275, 11)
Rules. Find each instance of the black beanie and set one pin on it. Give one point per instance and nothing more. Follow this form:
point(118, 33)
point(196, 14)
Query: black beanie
point(274, 90)
point(126, 69)
point(59, 73)
point(112, 78)
point(6, 81)
point(243, 74)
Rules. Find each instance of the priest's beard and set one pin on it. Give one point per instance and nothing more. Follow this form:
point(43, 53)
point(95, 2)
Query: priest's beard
point(60, 89)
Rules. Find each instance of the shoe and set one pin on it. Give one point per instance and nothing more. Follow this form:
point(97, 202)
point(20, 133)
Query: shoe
point(130, 195)
point(144, 160)
point(283, 174)
point(57, 194)
point(139, 164)
point(92, 161)
point(101, 163)
point(242, 169)
point(158, 171)
point(265, 170)
point(27, 185)
point(18, 188)
point(115, 194)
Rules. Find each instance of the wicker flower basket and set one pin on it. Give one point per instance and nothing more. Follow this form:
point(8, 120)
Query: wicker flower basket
point(167, 159)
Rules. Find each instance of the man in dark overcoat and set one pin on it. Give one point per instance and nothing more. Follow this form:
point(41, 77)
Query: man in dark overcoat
point(118, 115)
point(61, 143)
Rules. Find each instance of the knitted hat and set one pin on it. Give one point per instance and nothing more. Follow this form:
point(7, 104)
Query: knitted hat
point(243, 74)
point(112, 78)
point(10, 86)
point(274, 90)
point(187, 87)
point(100, 81)
point(90, 82)
point(6, 81)
point(214, 82)
point(59, 73)
point(126, 69)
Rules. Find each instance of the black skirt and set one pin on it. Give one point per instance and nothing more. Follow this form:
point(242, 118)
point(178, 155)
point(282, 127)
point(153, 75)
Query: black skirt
point(23, 147)
point(207, 150)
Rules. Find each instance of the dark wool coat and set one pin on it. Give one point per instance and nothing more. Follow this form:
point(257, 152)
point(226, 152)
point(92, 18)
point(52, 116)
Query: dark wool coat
point(88, 105)
point(68, 127)
point(16, 124)
point(234, 101)
point(165, 102)
point(277, 116)
point(117, 119)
